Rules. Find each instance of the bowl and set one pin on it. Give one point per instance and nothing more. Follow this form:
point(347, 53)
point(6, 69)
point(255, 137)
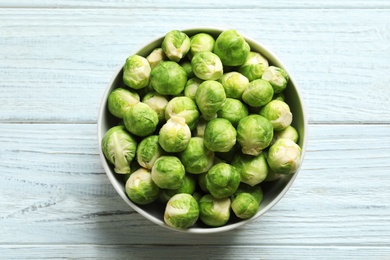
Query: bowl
point(273, 191)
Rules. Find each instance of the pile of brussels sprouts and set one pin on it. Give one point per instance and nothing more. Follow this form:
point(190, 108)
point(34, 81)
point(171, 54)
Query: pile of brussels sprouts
point(202, 123)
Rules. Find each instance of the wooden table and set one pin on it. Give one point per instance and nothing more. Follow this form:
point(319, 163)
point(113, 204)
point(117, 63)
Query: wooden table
point(56, 59)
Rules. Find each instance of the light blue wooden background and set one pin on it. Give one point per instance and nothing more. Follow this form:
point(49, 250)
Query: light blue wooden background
point(56, 58)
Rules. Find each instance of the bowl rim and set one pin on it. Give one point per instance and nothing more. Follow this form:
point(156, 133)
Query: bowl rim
point(199, 230)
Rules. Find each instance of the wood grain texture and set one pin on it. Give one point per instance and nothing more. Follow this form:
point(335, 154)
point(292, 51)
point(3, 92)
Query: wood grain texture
point(62, 59)
point(192, 252)
point(54, 192)
point(201, 4)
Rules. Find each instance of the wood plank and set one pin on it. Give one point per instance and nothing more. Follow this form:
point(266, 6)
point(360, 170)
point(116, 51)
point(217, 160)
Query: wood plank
point(53, 190)
point(191, 252)
point(62, 59)
point(170, 4)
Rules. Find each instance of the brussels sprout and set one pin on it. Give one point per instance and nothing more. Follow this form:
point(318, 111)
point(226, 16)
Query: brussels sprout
point(254, 133)
point(156, 102)
point(288, 133)
point(183, 107)
point(207, 66)
point(258, 93)
point(136, 72)
point(191, 87)
point(279, 96)
point(176, 44)
point(231, 48)
point(120, 100)
point(148, 151)
point(214, 212)
point(186, 65)
point(174, 135)
point(200, 42)
point(284, 156)
point(229, 155)
point(200, 127)
point(188, 186)
point(134, 166)
point(182, 211)
point(277, 77)
point(140, 119)
point(256, 191)
point(119, 148)
point(253, 169)
point(140, 188)
point(272, 176)
point(168, 78)
point(222, 180)
point(278, 113)
point(196, 158)
point(202, 182)
point(254, 66)
point(155, 57)
point(168, 172)
point(245, 205)
point(220, 135)
point(210, 97)
point(233, 110)
point(234, 84)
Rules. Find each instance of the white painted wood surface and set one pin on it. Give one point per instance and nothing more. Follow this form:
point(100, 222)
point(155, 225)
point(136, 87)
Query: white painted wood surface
point(56, 59)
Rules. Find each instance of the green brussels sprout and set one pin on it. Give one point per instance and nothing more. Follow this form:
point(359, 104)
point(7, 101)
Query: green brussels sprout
point(200, 42)
point(168, 172)
point(119, 148)
point(174, 135)
point(200, 127)
point(186, 65)
point(168, 78)
point(231, 48)
point(245, 205)
point(253, 169)
point(220, 135)
point(272, 176)
point(222, 180)
point(156, 102)
point(278, 113)
point(134, 166)
point(288, 133)
point(228, 156)
point(277, 77)
point(214, 212)
point(182, 211)
point(254, 133)
point(202, 182)
point(191, 87)
point(207, 66)
point(140, 120)
point(233, 110)
point(183, 107)
point(279, 96)
point(188, 186)
point(176, 45)
point(120, 100)
point(258, 93)
point(148, 151)
point(196, 158)
point(210, 97)
point(256, 191)
point(155, 57)
point(284, 156)
point(140, 187)
point(234, 84)
point(254, 66)
point(136, 72)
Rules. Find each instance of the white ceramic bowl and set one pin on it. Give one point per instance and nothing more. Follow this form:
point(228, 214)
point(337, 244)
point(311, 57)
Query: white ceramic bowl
point(273, 191)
